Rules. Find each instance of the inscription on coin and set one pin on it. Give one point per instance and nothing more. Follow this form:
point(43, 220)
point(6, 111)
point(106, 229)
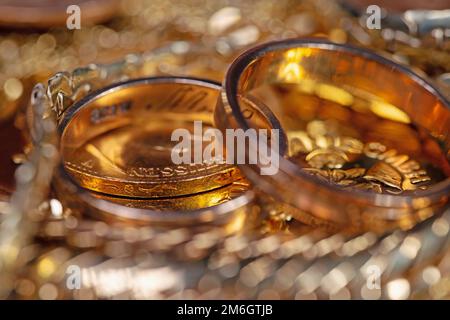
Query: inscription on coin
point(107, 112)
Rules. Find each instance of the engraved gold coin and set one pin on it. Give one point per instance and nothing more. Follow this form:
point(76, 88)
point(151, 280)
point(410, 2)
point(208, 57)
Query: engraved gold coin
point(228, 207)
point(346, 143)
point(186, 203)
point(119, 141)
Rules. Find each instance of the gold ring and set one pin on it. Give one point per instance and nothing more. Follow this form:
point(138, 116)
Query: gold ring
point(368, 139)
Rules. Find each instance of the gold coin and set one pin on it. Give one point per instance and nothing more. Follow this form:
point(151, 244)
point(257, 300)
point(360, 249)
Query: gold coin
point(228, 206)
point(348, 139)
point(120, 142)
point(136, 161)
point(185, 203)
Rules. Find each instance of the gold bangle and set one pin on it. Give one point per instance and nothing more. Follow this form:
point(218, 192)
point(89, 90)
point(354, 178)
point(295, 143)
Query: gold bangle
point(117, 140)
point(361, 175)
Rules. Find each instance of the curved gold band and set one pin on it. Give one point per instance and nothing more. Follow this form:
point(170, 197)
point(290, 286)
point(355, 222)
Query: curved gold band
point(328, 69)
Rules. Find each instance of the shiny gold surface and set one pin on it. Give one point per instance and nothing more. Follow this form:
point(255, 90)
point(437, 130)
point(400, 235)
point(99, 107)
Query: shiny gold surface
point(289, 260)
point(364, 135)
point(357, 149)
point(229, 207)
point(345, 76)
point(119, 143)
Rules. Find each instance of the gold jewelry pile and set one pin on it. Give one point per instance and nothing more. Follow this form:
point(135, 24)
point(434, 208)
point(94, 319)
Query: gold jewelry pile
point(359, 209)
